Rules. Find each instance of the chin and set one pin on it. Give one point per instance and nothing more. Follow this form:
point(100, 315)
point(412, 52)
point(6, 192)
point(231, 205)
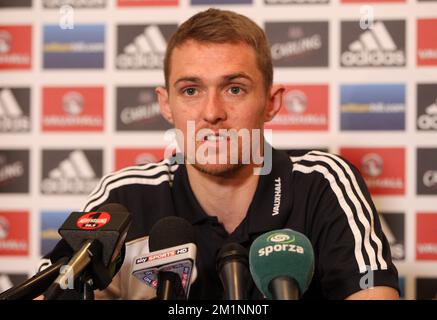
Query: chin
point(218, 170)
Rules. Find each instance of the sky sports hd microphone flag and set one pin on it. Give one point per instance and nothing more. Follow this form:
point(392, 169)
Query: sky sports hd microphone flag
point(170, 267)
point(282, 264)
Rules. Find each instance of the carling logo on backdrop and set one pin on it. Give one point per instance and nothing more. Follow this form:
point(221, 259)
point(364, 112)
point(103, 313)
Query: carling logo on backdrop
point(71, 171)
point(305, 107)
point(73, 109)
point(382, 45)
point(14, 110)
point(142, 46)
point(372, 107)
point(426, 171)
point(14, 171)
point(125, 157)
point(82, 47)
point(298, 44)
point(138, 110)
point(383, 169)
point(15, 47)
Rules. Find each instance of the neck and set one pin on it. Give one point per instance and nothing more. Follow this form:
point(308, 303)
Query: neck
point(226, 197)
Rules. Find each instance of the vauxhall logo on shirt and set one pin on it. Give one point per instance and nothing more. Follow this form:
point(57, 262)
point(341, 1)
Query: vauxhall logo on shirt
point(298, 44)
point(382, 45)
point(383, 169)
point(142, 46)
point(427, 171)
point(71, 171)
point(427, 107)
point(14, 110)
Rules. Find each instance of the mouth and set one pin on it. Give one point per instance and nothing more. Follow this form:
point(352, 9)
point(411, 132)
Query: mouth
point(216, 137)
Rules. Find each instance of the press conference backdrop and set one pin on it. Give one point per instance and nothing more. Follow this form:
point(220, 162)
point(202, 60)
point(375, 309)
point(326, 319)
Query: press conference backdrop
point(77, 102)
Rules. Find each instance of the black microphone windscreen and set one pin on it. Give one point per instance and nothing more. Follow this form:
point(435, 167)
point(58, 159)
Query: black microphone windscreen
point(170, 232)
point(61, 249)
point(234, 251)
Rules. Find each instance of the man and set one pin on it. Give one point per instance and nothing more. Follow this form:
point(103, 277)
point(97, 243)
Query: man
point(218, 76)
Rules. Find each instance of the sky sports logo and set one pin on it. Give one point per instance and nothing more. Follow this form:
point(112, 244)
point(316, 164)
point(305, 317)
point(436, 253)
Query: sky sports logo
point(73, 109)
point(427, 107)
point(82, 47)
point(382, 45)
point(305, 107)
point(14, 110)
point(298, 44)
point(138, 110)
point(142, 46)
point(373, 107)
point(71, 171)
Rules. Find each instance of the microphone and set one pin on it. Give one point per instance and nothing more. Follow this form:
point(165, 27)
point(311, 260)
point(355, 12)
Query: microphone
point(170, 265)
point(97, 240)
point(233, 268)
point(282, 264)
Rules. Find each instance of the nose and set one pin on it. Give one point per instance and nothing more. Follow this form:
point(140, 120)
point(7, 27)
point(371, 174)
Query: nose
point(214, 110)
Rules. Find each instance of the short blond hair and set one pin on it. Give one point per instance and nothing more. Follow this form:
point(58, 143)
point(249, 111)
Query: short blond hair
point(222, 26)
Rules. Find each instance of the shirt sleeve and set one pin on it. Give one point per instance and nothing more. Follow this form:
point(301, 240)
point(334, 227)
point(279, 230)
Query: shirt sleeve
point(352, 252)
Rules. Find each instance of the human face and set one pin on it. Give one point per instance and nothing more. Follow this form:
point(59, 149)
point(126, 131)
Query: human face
point(217, 87)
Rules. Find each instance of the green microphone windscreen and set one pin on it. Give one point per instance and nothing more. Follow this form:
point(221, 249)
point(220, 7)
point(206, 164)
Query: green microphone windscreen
point(278, 253)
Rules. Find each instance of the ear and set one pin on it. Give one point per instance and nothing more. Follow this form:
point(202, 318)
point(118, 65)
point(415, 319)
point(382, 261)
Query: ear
point(274, 102)
point(164, 105)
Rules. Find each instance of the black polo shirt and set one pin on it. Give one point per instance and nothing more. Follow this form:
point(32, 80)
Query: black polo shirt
point(319, 194)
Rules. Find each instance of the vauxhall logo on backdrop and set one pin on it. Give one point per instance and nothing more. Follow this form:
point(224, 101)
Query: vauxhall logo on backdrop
point(138, 109)
point(298, 44)
point(71, 171)
point(77, 4)
point(295, 1)
point(131, 157)
point(382, 45)
point(14, 233)
point(14, 109)
point(142, 46)
point(146, 3)
point(427, 171)
point(427, 107)
point(426, 236)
